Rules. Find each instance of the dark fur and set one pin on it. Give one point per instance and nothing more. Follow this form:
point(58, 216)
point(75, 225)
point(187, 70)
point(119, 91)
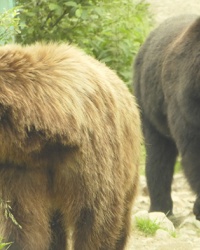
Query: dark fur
point(69, 150)
point(167, 86)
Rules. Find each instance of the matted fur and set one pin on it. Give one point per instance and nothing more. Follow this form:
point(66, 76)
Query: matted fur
point(69, 149)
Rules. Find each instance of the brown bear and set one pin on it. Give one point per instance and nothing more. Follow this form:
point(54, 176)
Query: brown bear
point(69, 150)
point(167, 87)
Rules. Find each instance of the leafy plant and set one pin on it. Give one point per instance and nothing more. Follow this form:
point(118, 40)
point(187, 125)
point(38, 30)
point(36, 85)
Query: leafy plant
point(6, 208)
point(4, 245)
point(111, 31)
point(178, 166)
point(9, 25)
point(147, 226)
point(173, 234)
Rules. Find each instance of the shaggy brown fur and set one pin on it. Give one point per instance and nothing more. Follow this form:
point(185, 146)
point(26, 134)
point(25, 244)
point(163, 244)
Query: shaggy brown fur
point(69, 149)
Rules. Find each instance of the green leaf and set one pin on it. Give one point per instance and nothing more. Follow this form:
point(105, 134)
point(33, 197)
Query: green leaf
point(71, 3)
point(78, 13)
point(53, 6)
point(2, 245)
point(111, 31)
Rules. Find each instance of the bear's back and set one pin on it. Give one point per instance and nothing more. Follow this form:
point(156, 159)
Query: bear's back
point(148, 69)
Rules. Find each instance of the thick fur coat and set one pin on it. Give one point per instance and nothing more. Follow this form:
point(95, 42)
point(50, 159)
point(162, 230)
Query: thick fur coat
point(167, 86)
point(69, 150)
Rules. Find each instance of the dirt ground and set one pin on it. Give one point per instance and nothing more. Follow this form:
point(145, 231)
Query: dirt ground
point(188, 236)
point(187, 232)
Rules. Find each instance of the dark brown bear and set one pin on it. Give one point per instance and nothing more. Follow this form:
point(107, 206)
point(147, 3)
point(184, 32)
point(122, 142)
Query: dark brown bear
point(69, 150)
point(167, 86)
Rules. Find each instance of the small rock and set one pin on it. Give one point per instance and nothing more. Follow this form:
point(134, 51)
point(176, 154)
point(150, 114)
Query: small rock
point(162, 220)
point(190, 223)
point(187, 232)
point(162, 234)
point(141, 214)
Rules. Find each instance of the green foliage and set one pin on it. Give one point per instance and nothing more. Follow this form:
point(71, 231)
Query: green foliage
point(4, 245)
point(111, 31)
point(7, 210)
point(147, 226)
point(173, 234)
point(178, 166)
point(9, 25)
point(5, 206)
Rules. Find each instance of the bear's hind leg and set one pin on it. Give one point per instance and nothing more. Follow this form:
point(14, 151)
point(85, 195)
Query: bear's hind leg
point(32, 231)
point(191, 167)
point(160, 160)
point(100, 232)
point(58, 231)
point(25, 200)
point(125, 230)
